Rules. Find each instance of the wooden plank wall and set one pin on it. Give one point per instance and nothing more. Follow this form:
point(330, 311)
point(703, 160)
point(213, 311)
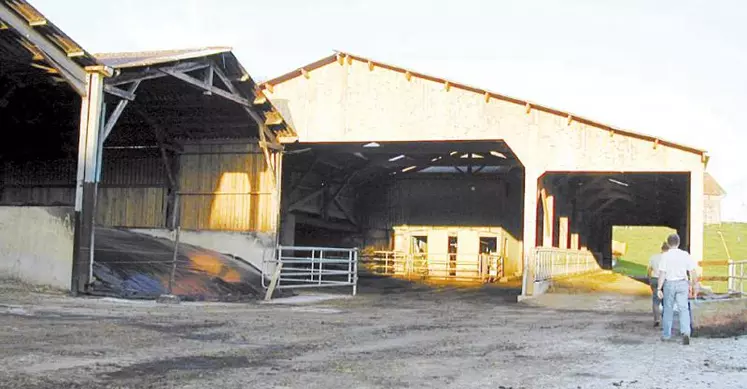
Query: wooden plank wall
point(132, 192)
point(226, 187)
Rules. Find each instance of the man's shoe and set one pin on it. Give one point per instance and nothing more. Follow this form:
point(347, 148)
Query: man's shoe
point(656, 324)
point(663, 339)
point(686, 340)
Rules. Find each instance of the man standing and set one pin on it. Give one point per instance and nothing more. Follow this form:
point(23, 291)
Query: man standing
point(674, 286)
point(653, 281)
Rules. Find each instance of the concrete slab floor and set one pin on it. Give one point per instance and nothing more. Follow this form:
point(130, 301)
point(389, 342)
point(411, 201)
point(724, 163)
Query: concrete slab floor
point(400, 338)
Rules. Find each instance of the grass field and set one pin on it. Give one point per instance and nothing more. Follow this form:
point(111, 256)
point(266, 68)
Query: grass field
point(645, 241)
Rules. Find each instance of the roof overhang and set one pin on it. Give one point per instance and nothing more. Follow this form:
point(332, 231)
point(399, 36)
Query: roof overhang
point(47, 48)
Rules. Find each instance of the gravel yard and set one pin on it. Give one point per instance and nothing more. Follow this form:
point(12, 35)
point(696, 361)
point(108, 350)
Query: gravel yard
point(393, 335)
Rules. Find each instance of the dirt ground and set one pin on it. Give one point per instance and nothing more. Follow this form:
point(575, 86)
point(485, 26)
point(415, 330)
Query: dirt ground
point(393, 335)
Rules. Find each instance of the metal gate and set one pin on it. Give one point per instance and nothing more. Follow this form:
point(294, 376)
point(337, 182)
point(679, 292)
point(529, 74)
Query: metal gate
point(311, 267)
point(554, 262)
point(737, 276)
point(481, 267)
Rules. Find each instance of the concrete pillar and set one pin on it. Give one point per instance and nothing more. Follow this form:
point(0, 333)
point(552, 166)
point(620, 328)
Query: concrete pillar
point(695, 227)
point(563, 232)
point(548, 223)
point(89, 159)
point(529, 237)
point(575, 241)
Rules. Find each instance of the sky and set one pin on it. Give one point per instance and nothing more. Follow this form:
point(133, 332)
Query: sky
point(676, 69)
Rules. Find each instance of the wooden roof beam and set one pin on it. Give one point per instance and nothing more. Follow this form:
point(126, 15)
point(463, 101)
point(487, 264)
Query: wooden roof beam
point(153, 73)
point(73, 73)
point(200, 84)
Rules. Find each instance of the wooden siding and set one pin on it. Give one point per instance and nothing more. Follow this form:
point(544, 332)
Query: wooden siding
point(131, 194)
point(131, 207)
point(226, 187)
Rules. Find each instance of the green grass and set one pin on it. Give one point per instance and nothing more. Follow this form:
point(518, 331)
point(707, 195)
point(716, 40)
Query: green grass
point(645, 241)
point(630, 269)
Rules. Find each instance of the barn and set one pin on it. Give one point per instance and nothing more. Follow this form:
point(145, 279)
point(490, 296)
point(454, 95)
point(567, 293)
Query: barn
point(450, 180)
point(409, 165)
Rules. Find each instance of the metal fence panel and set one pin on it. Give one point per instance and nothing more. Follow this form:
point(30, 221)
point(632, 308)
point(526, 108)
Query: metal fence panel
point(313, 267)
point(485, 267)
point(737, 276)
point(553, 262)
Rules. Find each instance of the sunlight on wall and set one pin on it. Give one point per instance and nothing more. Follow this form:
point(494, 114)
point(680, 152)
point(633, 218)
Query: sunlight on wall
point(231, 207)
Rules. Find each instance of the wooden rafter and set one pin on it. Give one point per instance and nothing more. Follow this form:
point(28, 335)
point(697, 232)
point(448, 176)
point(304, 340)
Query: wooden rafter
point(150, 74)
point(73, 73)
point(265, 135)
point(114, 117)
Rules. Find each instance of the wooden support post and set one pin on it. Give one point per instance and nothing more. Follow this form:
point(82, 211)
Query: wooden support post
point(91, 128)
point(169, 166)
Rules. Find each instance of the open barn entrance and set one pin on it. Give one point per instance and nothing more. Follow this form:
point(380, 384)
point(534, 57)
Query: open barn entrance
point(449, 208)
point(593, 203)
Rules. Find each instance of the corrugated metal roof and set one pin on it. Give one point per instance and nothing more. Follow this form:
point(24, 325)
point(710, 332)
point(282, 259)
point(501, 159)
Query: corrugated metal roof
point(133, 65)
point(149, 58)
point(343, 57)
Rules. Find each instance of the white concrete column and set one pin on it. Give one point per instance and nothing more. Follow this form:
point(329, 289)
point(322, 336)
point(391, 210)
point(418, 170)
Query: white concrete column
point(563, 232)
point(548, 222)
point(695, 219)
point(529, 237)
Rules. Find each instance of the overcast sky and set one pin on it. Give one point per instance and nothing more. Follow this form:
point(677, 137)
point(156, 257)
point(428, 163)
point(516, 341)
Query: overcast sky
point(671, 68)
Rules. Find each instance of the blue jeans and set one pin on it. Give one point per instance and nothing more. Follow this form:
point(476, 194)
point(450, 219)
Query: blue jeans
point(676, 291)
point(654, 283)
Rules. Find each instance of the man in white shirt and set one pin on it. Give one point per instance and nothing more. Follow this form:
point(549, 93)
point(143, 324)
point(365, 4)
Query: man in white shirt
point(653, 281)
point(675, 268)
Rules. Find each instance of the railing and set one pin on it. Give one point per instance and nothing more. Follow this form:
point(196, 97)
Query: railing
point(464, 267)
point(553, 262)
point(311, 267)
point(736, 276)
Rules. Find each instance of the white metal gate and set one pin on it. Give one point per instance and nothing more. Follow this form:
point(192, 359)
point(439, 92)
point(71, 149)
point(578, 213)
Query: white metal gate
point(554, 262)
point(737, 276)
point(311, 267)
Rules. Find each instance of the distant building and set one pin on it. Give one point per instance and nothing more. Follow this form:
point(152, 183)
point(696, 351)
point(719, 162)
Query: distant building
point(712, 195)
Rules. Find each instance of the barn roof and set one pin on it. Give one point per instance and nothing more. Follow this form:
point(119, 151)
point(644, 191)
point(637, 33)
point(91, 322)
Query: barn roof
point(149, 58)
point(711, 187)
point(340, 57)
